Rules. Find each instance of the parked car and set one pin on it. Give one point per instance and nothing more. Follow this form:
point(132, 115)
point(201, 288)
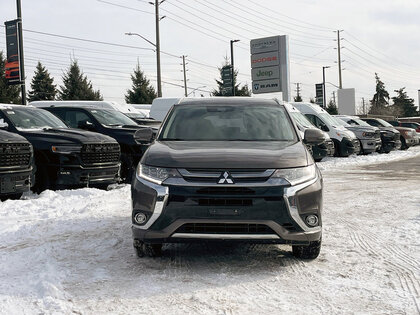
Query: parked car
point(390, 136)
point(107, 122)
point(345, 141)
point(237, 171)
point(16, 158)
point(413, 125)
point(64, 157)
point(369, 137)
point(139, 116)
point(408, 137)
point(318, 151)
point(145, 108)
point(161, 106)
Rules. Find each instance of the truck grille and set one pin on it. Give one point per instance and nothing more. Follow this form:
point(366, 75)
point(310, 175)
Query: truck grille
point(101, 153)
point(239, 176)
point(15, 154)
point(225, 228)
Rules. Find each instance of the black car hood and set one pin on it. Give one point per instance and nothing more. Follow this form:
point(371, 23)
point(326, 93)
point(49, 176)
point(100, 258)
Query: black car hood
point(389, 129)
point(10, 137)
point(226, 155)
point(65, 136)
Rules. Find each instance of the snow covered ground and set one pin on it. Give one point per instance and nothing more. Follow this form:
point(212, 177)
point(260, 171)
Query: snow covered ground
point(71, 252)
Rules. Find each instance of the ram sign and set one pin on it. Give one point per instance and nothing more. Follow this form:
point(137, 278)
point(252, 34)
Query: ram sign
point(270, 65)
point(12, 66)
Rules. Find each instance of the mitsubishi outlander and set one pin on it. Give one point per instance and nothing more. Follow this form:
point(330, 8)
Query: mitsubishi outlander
point(228, 169)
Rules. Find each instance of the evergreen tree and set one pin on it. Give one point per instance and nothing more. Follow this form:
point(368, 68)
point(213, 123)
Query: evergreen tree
point(380, 100)
point(8, 93)
point(77, 86)
point(298, 98)
point(332, 108)
point(142, 92)
point(239, 91)
point(403, 105)
point(42, 85)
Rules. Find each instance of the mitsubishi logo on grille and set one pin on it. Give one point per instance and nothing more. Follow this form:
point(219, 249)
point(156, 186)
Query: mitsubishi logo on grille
point(225, 178)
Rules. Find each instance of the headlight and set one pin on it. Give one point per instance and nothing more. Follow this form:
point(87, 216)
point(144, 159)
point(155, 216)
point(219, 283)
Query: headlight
point(296, 175)
point(368, 134)
point(156, 174)
point(66, 149)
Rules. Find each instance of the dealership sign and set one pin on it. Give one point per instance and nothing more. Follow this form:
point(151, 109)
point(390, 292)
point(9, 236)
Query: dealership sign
point(12, 66)
point(270, 65)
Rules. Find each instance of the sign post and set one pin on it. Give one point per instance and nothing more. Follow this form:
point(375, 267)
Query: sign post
point(227, 78)
point(319, 94)
point(12, 67)
point(270, 65)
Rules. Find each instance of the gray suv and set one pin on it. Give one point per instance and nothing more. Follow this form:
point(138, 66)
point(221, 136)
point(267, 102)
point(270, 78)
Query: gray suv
point(228, 169)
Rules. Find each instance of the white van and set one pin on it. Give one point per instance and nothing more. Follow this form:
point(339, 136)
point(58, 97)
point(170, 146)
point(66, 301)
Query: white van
point(345, 141)
point(161, 106)
point(318, 151)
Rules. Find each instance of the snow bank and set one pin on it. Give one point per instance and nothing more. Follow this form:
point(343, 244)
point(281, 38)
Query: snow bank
point(359, 160)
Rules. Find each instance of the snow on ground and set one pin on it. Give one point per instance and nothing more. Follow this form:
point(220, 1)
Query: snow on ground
point(360, 160)
point(71, 252)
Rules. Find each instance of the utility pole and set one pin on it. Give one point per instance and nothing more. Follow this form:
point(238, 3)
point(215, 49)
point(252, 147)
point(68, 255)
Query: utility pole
point(231, 63)
point(185, 75)
point(324, 97)
point(159, 79)
point(340, 78)
point(22, 60)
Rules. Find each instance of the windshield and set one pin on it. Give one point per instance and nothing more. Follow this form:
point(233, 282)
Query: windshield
point(361, 122)
point(111, 118)
point(32, 118)
point(341, 122)
point(300, 119)
point(327, 119)
point(384, 123)
point(228, 123)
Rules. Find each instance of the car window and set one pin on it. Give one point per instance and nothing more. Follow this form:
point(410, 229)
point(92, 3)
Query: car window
point(228, 123)
point(112, 118)
point(32, 118)
point(75, 118)
point(373, 122)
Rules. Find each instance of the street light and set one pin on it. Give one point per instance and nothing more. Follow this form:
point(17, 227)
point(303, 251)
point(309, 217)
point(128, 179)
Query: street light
point(324, 100)
point(231, 62)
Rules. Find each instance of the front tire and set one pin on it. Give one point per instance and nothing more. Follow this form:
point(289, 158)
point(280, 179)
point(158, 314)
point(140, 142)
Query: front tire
point(310, 251)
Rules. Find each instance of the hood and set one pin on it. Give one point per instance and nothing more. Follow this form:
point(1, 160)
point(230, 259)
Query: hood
point(404, 129)
point(9, 137)
point(388, 129)
point(65, 136)
point(226, 154)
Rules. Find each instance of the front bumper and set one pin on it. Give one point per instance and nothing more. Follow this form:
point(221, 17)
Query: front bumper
point(15, 182)
point(77, 175)
point(264, 213)
point(370, 145)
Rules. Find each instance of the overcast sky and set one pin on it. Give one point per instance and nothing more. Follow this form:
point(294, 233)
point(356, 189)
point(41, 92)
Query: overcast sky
point(379, 36)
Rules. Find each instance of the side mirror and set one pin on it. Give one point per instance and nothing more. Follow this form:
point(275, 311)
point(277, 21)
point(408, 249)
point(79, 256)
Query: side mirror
point(3, 125)
point(313, 136)
point(86, 125)
point(144, 135)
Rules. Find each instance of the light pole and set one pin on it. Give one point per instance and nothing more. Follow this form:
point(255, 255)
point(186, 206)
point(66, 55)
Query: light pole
point(231, 62)
point(159, 81)
point(324, 99)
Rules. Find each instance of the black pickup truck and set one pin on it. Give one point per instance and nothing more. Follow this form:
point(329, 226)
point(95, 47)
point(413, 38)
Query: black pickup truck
point(64, 157)
point(16, 155)
point(107, 122)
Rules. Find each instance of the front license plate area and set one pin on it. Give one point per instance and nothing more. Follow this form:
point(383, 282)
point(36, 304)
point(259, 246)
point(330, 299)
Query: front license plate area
point(7, 184)
point(221, 212)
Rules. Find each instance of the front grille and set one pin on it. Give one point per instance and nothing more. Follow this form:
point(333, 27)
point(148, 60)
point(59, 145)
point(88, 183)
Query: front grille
point(15, 154)
point(238, 175)
point(226, 191)
point(100, 153)
point(225, 228)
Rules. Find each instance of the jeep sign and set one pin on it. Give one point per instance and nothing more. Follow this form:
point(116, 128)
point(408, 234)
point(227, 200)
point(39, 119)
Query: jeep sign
point(270, 65)
point(265, 73)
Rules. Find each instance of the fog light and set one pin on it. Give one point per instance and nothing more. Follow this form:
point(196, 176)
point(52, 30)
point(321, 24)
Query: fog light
point(140, 218)
point(312, 220)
